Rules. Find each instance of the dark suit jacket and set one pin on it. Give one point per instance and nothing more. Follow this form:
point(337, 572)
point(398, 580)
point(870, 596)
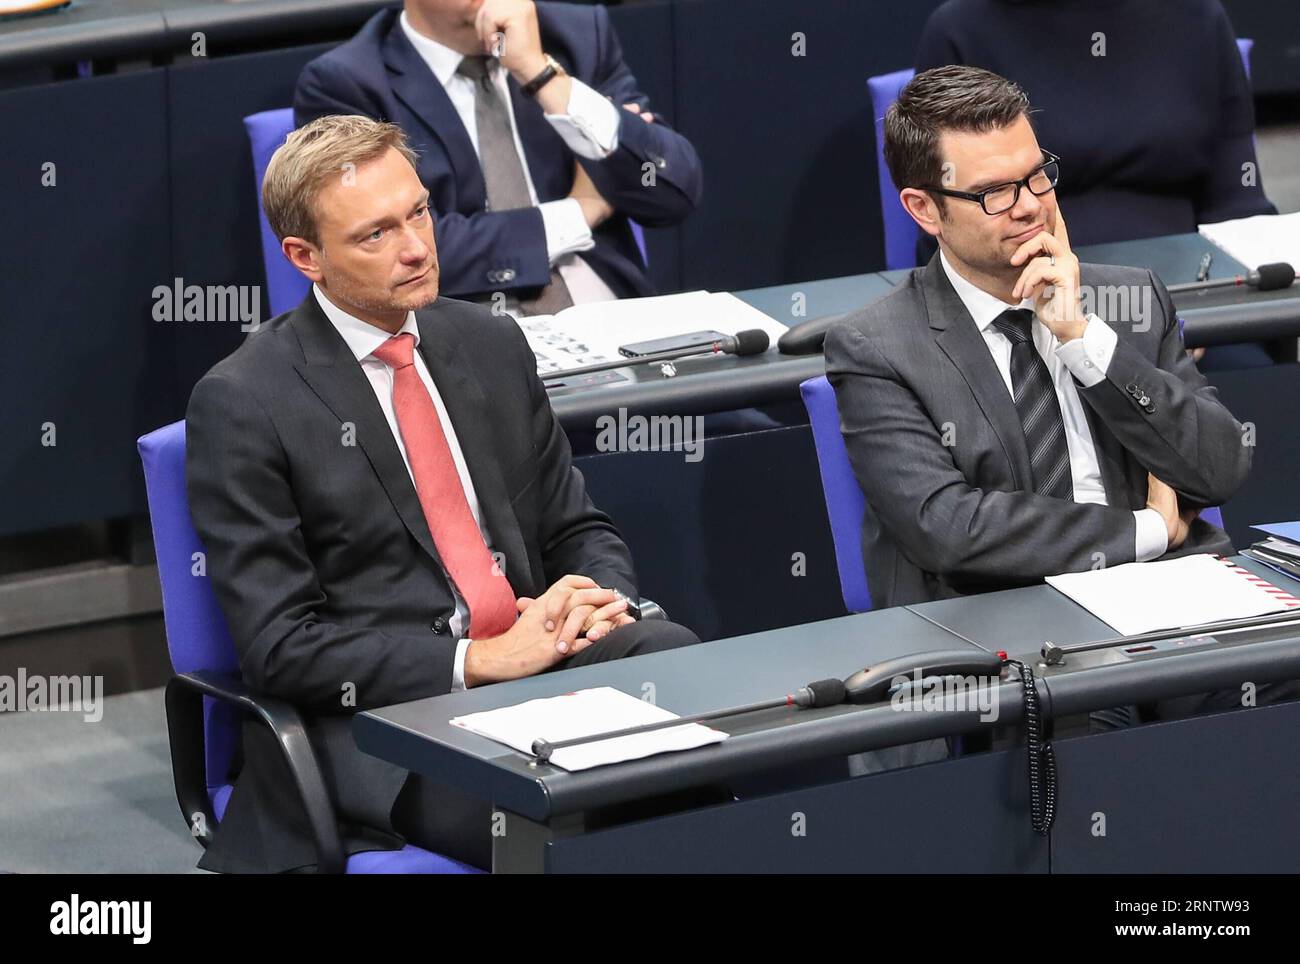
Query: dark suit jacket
point(320, 554)
point(379, 74)
point(946, 520)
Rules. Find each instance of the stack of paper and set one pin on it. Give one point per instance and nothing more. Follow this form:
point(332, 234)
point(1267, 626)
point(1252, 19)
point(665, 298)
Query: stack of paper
point(1144, 596)
point(588, 713)
point(592, 333)
point(1263, 239)
point(1281, 550)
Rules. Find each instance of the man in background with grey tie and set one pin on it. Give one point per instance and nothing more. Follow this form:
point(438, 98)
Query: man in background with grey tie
point(1010, 413)
point(535, 143)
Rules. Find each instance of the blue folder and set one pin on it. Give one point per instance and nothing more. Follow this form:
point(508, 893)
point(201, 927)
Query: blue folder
point(1283, 530)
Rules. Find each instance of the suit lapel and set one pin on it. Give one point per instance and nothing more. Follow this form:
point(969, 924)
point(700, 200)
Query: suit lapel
point(467, 406)
point(960, 339)
point(417, 87)
point(337, 379)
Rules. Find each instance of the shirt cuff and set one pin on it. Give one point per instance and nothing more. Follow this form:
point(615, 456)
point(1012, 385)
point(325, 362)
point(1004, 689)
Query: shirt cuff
point(1089, 357)
point(1152, 535)
point(590, 128)
point(566, 228)
point(458, 668)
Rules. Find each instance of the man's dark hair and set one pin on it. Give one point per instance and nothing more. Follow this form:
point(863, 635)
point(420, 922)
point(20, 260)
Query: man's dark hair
point(955, 98)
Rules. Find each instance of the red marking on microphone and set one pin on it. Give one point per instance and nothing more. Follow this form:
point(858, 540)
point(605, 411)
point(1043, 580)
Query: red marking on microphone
point(789, 700)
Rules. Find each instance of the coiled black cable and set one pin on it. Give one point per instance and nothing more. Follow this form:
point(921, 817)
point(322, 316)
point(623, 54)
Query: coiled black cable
point(1042, 758)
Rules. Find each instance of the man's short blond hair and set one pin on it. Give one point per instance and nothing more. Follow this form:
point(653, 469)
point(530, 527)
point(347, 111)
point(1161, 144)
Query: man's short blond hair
point(328, 147)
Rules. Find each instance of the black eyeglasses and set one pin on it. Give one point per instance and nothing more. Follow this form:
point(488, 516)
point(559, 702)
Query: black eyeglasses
point(1003, 197)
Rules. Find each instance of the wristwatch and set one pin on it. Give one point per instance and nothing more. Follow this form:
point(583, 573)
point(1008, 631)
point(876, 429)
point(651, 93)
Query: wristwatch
point(633, 609)
point(551, 71)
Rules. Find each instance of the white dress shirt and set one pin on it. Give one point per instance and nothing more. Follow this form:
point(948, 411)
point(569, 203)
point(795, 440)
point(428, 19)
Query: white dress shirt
point(363, 339)
point(1085, 359)
point(590, 129)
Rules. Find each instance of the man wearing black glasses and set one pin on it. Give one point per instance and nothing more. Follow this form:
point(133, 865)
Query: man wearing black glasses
point(1010, 413)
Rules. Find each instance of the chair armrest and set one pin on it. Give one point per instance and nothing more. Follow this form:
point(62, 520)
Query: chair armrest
point(651, 609)
point(184, 699)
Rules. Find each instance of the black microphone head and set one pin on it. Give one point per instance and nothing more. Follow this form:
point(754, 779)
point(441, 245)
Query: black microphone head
point(824, 692)
point(1272, 277)
point(752, 341)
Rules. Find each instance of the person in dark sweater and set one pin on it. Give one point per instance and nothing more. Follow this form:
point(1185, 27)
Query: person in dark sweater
point(1146, 102)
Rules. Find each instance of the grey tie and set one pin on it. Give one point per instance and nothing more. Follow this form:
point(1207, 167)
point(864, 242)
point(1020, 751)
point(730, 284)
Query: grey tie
point(1038, 407)
point(503, 171)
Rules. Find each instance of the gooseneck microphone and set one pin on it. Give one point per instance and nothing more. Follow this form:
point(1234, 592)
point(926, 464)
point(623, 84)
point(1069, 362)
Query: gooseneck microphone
point(1267, 277)
point(824, 692)
point(751, 341)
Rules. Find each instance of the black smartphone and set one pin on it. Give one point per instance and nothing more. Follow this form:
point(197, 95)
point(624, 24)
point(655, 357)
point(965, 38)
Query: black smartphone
point(640, 349)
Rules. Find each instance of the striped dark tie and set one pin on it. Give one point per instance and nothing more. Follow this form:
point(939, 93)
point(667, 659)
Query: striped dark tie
point(1038, 407)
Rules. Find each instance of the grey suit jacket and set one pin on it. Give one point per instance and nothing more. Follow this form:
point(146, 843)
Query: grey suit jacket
point(912, 372)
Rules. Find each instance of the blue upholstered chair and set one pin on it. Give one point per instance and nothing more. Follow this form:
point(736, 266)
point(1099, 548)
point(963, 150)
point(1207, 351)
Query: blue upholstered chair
point(845, 503)
point(900, 229)
point(206, 699)
point(1244, 45)
point(285, 284)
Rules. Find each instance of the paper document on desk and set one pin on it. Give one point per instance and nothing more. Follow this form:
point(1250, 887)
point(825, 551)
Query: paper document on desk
point(1143, 596)
point(591, 333)
point(1262, 239)
point(586, 713)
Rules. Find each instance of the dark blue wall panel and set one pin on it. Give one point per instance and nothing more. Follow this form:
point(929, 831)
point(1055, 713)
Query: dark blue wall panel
point(214, 193)
point(787, 141)
point(78, 264)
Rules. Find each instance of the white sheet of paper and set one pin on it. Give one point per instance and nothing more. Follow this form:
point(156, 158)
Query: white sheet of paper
point(585, 713)
point(1257, 240)
point(1143, 596)
point(591, 333)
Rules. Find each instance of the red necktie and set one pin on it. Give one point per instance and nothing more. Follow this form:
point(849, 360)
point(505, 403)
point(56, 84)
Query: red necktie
point(465, 556)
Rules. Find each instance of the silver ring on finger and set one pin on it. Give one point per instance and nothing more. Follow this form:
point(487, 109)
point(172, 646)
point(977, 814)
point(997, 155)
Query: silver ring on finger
point(1052, 259)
